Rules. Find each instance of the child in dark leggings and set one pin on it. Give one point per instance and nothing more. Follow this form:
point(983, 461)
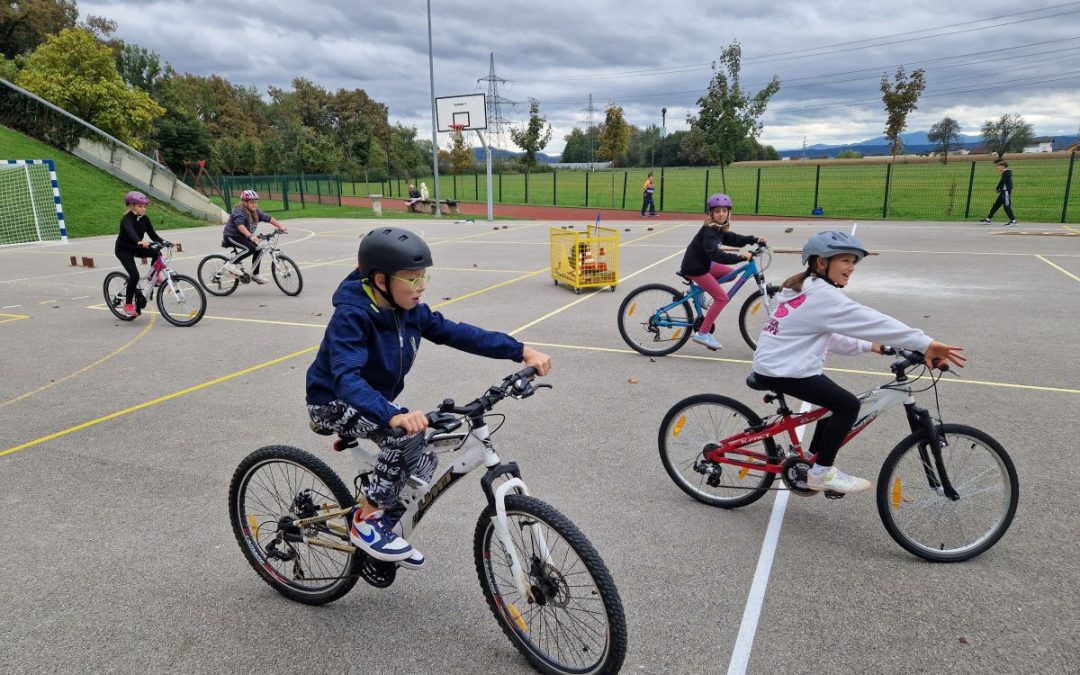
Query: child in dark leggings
point(129, 244)
point(813, 317)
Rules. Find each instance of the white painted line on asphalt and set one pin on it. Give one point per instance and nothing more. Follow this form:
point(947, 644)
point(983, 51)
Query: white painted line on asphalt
point(81, 297)
point(740, 656)
point(11, 307)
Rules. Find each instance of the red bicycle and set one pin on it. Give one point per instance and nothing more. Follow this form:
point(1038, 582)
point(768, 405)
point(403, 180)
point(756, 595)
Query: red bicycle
point(946, 492)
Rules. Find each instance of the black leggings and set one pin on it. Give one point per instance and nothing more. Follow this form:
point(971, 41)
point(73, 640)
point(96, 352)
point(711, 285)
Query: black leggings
point(127, 259)
point(1003, 199)
point(252, 250)
point(821, 391)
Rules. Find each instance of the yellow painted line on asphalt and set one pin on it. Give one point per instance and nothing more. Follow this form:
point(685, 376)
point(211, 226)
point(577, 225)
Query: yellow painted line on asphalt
point(231, 318)
point(13, 317)
point(82, 370)
point(162, 399)
point(1059, 268)
point(491, 288)
point(1070, 228)
point(697, 357)
point(224, 378)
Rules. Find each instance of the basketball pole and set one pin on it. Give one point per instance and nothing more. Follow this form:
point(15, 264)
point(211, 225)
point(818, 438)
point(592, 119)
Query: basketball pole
point(487, 153)
point(434, 129)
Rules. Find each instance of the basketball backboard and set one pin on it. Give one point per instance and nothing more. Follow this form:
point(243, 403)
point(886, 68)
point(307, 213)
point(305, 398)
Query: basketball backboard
point(469, 110)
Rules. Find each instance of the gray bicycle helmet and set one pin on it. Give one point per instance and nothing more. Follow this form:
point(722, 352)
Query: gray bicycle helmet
point(389, 249)
point(829, 243)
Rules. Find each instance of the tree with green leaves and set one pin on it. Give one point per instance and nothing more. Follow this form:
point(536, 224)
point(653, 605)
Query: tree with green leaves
point(26, 25)
point(614, 135)
point(945, 135)
point(900, 98)
point(534, 137)
point(76, 72)
point(728, 117)
point(1008, 133)
point(461, 155)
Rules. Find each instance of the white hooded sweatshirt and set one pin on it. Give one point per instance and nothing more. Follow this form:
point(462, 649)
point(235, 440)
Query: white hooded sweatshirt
point(809, 324)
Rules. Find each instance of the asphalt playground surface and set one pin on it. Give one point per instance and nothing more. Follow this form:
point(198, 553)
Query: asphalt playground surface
point(118, 441)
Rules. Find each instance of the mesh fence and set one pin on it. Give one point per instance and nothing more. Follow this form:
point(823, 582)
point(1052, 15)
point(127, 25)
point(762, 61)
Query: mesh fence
point(1044, 189)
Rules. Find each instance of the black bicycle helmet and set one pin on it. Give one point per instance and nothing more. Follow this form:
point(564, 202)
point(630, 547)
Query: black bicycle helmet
point(390, 249)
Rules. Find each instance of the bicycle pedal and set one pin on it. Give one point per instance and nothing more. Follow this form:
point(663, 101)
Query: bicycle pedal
point(345, 443)
point(834, 495)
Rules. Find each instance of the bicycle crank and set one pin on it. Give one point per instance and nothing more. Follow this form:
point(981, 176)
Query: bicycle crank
point(794, 476)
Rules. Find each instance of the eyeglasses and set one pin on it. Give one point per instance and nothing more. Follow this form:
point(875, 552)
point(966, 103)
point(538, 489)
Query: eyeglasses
point(415, 282)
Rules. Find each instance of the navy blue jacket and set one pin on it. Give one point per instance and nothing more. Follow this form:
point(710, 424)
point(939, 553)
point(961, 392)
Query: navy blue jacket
point(367, 351)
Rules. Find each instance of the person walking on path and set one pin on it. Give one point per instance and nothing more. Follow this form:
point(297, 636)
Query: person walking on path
point(1004, 199)
point(647, 201)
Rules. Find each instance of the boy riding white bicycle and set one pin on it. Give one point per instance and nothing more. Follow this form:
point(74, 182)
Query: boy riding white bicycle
point(368, 348)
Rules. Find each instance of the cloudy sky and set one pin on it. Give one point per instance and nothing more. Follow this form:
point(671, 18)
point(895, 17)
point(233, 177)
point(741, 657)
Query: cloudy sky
point(982, 59)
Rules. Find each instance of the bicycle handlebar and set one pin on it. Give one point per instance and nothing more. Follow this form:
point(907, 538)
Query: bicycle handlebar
point(448, 416)
point(909, 358)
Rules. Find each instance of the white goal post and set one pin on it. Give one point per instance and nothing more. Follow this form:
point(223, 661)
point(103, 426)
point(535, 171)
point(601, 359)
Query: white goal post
point(30, 209)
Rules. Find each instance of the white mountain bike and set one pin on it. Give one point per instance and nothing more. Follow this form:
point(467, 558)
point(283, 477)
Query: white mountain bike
point(545, 583)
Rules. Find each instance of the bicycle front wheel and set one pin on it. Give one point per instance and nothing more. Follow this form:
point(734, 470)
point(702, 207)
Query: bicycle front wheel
point(273, 487)
point(572, 620)
point(181, 301)
point(700, 423)
point(287, 275)
point(651, 331)
point(754, 314)
point(114, 288)
point(923, 519)
point(213, 278)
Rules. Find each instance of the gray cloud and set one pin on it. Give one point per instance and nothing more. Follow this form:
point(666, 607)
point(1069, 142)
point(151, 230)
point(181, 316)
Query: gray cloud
point(982, 60)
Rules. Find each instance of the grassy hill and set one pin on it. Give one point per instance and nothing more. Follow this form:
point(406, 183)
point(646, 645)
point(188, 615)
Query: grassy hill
point(93, 200)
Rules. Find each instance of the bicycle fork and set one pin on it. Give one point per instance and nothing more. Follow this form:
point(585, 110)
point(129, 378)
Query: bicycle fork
point(502, 531)
point(930, 444)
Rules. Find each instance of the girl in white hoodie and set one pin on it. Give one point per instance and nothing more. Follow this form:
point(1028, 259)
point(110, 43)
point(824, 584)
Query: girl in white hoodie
point(813, 317)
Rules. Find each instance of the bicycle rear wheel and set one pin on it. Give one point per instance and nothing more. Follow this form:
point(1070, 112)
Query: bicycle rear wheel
point(114, 288)
point(213, 279)
point(573, 621)
point(702, 422)
point(754, 314)
point(182, 302)
point(640, 317)
point(274, 486)
point(926, 522)
point(287, 275)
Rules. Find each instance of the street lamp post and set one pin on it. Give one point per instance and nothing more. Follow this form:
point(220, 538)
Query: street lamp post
point(434, 128)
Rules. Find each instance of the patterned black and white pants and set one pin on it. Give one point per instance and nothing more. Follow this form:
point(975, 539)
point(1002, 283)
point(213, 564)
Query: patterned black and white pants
point(398, 459)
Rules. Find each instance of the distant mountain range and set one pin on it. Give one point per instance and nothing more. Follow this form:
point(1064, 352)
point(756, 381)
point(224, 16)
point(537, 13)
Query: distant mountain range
point(914, 142)
point(498, 153)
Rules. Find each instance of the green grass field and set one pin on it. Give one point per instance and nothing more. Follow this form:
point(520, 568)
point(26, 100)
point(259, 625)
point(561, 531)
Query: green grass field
point(916, 191)
point(93, 200)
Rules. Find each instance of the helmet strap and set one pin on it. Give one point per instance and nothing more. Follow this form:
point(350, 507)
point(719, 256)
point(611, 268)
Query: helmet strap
point(387, 295)
point(823, 277)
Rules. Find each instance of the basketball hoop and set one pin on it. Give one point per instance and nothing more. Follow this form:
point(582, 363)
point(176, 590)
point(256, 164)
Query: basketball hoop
point(458, 128)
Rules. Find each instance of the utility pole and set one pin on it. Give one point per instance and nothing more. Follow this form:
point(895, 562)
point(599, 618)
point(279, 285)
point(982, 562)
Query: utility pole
point(663, 132)
point(495, 102)
point(588, 134)
point(434, 127)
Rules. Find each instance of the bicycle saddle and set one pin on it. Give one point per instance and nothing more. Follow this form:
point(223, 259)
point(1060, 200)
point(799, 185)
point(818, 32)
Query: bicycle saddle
point(680, 274)
point(752, 382)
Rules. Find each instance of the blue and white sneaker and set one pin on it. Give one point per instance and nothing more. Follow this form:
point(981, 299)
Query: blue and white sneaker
point(376, 537)
point(707, 340)
point(413, 562)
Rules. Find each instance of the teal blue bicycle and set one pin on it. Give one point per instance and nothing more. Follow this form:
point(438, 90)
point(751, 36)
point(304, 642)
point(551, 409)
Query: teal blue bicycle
point(656, 319)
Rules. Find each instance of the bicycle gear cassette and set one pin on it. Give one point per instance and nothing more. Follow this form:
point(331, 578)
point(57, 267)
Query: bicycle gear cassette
point(794, 476)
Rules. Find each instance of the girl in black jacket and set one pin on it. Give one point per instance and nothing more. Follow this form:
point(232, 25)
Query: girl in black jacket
point(129, 244)
point(705, 261)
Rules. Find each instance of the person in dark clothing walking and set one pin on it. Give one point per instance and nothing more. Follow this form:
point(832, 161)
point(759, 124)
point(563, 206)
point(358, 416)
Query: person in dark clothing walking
point(647, 201)
point(1004, 199)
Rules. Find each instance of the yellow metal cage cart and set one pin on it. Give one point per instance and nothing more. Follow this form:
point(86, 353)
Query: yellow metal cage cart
point(588, 259)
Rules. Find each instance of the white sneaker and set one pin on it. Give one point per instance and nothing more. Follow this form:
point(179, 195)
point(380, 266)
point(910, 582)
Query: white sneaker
point(835, 480)
point(986, 221)
point(258, 279)
point(375, 536)
point(707, 340)
point(1011, 223)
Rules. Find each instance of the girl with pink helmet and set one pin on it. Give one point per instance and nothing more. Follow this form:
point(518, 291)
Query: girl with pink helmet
point(705, 261)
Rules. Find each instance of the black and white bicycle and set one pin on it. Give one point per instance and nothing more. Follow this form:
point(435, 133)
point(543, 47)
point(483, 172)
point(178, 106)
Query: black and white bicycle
point(545, 583)
point(220, 280)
